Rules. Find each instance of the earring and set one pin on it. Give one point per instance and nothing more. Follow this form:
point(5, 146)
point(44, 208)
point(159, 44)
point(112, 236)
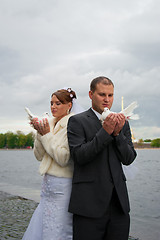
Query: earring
point(68, 111)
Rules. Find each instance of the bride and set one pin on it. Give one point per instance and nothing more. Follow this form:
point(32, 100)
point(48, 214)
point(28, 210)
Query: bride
point(51, 219)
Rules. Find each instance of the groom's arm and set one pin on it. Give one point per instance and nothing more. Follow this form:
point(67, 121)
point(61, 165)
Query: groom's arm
point(124, 145)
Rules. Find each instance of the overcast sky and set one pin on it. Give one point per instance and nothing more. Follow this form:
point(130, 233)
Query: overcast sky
point(46, 45)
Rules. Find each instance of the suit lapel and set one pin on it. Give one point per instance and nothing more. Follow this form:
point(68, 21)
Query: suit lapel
point(94, 119)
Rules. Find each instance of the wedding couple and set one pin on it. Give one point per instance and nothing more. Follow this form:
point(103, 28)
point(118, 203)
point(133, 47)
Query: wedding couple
point(84, 194)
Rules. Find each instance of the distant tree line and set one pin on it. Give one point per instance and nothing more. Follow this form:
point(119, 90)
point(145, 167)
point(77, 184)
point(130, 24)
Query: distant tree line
point(20, 140)
point(16, 140)
point(153, 143)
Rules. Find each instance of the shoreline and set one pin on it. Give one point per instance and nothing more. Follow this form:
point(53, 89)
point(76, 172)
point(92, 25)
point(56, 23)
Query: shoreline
point(22, 192)
point(148, 148)
point(15, 212)
point(143, 146)
point(135, 146)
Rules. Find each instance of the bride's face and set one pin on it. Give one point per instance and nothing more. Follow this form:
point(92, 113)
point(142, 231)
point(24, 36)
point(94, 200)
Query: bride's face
point(58, 109)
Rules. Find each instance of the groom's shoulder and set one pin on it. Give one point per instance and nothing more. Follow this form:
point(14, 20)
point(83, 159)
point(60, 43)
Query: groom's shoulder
point(82, 114)
point(80, 117)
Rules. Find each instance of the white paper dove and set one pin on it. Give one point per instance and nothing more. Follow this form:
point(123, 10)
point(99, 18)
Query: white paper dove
point(31, 116)
point(128, 112)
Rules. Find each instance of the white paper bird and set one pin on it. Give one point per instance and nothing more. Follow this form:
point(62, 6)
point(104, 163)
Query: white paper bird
point(31, 116)
point(128, 112)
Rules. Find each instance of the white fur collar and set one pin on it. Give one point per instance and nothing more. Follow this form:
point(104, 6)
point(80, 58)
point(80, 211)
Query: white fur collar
point(61, 123)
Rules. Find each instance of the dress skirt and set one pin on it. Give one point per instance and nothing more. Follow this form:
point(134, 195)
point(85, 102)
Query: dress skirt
point(51, 219)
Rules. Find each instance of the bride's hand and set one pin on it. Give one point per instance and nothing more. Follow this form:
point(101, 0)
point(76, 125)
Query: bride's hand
point(42, 127)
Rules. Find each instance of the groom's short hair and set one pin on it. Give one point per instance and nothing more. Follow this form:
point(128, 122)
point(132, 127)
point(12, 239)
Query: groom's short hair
point(101, 79)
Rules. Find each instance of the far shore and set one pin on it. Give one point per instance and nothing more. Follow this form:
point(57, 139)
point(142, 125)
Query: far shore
point(136, 146)
point(144, 146)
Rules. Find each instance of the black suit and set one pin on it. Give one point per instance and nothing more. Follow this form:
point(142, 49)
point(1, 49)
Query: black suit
point(97, 166)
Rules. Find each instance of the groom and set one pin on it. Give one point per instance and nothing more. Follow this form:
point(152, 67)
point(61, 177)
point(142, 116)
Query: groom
point(99, 199)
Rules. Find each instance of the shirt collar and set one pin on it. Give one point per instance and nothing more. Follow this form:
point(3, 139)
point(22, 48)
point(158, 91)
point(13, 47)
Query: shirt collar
point(97, 113)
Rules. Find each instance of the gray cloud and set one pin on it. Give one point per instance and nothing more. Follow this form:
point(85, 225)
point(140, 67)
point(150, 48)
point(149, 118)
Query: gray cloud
point(48, 45)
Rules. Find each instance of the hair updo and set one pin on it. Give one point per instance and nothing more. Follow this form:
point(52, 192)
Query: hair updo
point(65, 96)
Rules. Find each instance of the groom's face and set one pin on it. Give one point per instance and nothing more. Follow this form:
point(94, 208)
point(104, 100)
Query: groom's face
point(102, 97)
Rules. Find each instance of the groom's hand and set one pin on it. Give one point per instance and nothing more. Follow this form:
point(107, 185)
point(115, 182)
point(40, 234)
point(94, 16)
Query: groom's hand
point(110, 123)
point(120, 123)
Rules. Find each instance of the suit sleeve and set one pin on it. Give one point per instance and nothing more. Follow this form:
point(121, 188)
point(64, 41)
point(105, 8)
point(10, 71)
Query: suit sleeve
point(82, 150)
point(58, 150)
point(124, 145)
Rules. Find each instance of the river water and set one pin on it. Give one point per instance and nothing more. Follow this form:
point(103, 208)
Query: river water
point(20, 168)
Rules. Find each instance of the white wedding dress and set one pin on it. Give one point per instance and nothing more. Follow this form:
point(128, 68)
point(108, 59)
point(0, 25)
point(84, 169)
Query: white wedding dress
point(51, 219)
